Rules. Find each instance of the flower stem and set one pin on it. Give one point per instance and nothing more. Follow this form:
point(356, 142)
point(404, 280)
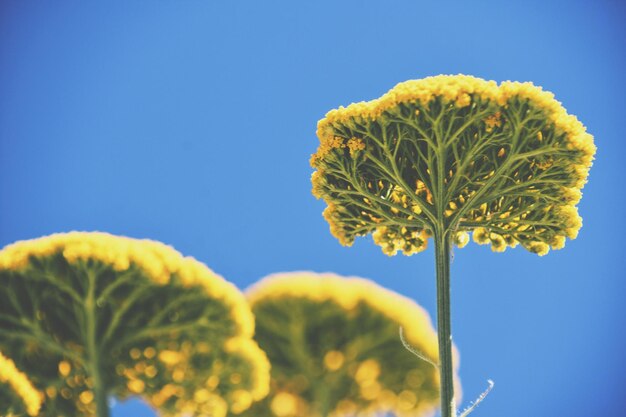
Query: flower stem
point(93, 353)
point(444, 331)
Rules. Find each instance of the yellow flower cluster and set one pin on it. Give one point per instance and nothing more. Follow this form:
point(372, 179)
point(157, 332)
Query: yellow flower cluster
point(228, 387)
point(74, 388)
point(348, 292)
point(456, 89)
point(21, 385)
point(364, 381)
point(158, 262)
point(287, 404)
point(499, 241)
point(328, 143)
point(459, 89)
point(454, 150)
point(576, 135)
point(198, 318)
point(333, 216)
point(410, 241)
point(493, 121)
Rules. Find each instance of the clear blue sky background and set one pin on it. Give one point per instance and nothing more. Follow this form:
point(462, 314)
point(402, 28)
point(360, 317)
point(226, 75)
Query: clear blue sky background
point(192, 122)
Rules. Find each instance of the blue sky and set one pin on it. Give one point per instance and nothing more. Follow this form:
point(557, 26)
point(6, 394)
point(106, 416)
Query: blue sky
point(192, 122)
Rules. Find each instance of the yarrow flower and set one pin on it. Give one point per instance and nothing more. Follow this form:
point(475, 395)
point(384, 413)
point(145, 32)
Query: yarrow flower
point(504, 160)
point(18, 396)
point(93, 315)
point(334, 348)
point(444, 156)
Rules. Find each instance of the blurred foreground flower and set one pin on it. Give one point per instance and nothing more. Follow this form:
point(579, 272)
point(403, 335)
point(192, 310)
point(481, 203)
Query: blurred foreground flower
point(88, 315)
point(334, 348)
point(17, 394)
point(446, 155)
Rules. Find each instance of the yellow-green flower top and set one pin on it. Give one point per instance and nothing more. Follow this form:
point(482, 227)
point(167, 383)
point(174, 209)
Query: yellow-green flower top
point(348, 292)
point(452, 88)
point(506, 161)
point(335, 349)
point(21, 386)
point(162, 326)
point(158, 262)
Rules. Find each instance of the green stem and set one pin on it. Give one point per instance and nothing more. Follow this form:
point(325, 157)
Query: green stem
point(302, 356)
point(322, 397)
point(446, 370)
point(93, 353)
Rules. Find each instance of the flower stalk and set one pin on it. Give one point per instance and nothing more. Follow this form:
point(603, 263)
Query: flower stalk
point(444, 328)
point(99, 387)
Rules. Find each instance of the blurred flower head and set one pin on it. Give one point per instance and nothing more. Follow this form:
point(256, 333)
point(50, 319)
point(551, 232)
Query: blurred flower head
point(335, 350)
point(165, 327)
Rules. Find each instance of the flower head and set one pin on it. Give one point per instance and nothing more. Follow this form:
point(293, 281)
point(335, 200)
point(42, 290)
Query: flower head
point(504, 159)
point(334, 347)
point(163, 327)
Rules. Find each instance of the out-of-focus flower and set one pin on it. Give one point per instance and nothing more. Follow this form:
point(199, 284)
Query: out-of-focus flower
point(88, 315)
point(334, 347)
